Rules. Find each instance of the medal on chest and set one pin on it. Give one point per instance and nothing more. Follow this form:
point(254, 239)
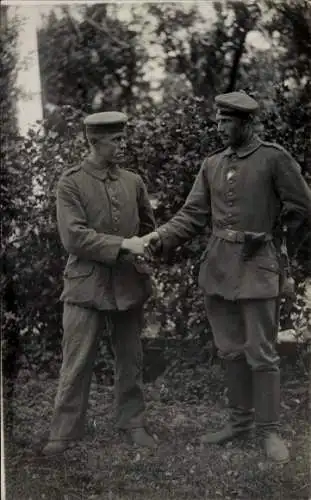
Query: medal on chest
point(230, 174)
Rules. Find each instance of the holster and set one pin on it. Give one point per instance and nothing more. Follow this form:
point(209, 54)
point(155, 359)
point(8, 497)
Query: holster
point(251, 241)
point(252, 244)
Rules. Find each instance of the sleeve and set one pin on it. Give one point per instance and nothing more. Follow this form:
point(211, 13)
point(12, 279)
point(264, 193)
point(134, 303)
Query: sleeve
point(146, 216)
point(294, 193)
point(77, 238)
point(192, 217)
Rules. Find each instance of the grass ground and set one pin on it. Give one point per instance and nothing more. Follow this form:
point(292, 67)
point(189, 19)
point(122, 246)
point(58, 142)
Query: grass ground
point(104, 467)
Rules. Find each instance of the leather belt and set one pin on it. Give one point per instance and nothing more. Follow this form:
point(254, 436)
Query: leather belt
point(239, 236)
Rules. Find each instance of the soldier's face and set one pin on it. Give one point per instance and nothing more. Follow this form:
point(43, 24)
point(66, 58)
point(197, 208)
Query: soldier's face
point(109, 146)
point(231, 130)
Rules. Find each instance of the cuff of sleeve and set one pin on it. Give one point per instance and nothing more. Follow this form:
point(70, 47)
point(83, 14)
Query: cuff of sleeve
point(165, 237)
point(111, 255)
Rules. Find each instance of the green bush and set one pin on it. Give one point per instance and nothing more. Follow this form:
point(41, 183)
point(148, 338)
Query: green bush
point(167, 147)
point(33, 256)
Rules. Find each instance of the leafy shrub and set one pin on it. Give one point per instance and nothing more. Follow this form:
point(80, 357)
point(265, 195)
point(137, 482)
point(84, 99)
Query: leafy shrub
point(166, 146)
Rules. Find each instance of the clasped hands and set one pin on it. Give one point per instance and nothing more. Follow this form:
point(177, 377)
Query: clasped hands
point(142, 247)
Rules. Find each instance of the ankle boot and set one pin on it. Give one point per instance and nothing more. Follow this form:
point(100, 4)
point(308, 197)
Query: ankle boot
point(267, 410)
point(55, 448)
point(141, 437)
point(275, 447)
point(239, 384)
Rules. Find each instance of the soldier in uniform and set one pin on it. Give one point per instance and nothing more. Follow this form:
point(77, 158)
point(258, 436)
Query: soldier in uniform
point(102, 210)
point(243, 189)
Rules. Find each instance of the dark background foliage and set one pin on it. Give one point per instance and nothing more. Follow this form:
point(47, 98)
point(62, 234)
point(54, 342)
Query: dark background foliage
point(166, 143)
point(94, 61)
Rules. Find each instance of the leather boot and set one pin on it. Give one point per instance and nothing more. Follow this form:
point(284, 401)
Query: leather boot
point(55, 448)
point(136, 432)
point(141, 437)
point(239, 384)
point(267, 411)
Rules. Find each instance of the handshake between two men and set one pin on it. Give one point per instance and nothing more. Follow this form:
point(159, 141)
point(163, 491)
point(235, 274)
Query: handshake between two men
point(145, 246)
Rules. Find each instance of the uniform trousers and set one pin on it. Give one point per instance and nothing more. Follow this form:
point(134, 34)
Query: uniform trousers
point(245, 328)
point(245, 333)
point(82, 330)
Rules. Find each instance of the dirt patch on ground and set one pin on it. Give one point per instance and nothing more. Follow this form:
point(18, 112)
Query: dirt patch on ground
point(103, 466)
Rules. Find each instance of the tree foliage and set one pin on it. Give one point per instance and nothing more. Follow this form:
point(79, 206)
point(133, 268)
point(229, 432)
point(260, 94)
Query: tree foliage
point(8, 92)
point(92, 61)
point(291, 28)
point(165, 144)
point(207, 55)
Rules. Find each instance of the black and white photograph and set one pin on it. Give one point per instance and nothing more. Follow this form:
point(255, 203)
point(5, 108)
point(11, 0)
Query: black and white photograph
point(155, 250)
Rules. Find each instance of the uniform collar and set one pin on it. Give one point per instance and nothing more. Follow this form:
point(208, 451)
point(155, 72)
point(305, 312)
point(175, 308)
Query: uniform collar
point(246, 148)
point(100, 171)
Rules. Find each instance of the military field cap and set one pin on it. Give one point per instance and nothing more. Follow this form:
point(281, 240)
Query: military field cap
point(235, 104)
point(109, 122)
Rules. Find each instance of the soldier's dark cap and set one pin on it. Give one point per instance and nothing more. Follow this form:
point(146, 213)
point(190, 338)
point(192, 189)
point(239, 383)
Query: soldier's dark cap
point(236, 104)
point(107, 122)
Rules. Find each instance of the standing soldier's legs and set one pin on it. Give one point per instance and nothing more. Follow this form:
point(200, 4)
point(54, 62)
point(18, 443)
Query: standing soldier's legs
point(79, 345)
point(129, 398)
point(261, 326)
point(228, 331)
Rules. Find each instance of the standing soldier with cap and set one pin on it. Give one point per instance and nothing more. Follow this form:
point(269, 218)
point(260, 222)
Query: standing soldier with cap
point(244, 188)
point(101, 212)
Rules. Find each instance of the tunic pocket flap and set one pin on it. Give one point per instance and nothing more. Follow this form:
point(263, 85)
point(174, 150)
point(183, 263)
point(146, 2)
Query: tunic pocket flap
point(269, 265)
point(79, 270)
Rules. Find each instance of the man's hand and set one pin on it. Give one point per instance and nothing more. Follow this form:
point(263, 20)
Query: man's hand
point(134, 245)
point(143, 247)
point(152, 241)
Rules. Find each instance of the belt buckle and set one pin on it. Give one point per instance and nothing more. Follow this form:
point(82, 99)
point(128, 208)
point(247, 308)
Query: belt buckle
point(231, 234)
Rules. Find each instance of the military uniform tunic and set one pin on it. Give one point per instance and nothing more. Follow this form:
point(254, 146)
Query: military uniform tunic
point(96, 210)
point(242, 190)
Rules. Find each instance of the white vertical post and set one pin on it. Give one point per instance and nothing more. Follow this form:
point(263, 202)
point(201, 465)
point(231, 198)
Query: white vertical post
point(29, 105)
